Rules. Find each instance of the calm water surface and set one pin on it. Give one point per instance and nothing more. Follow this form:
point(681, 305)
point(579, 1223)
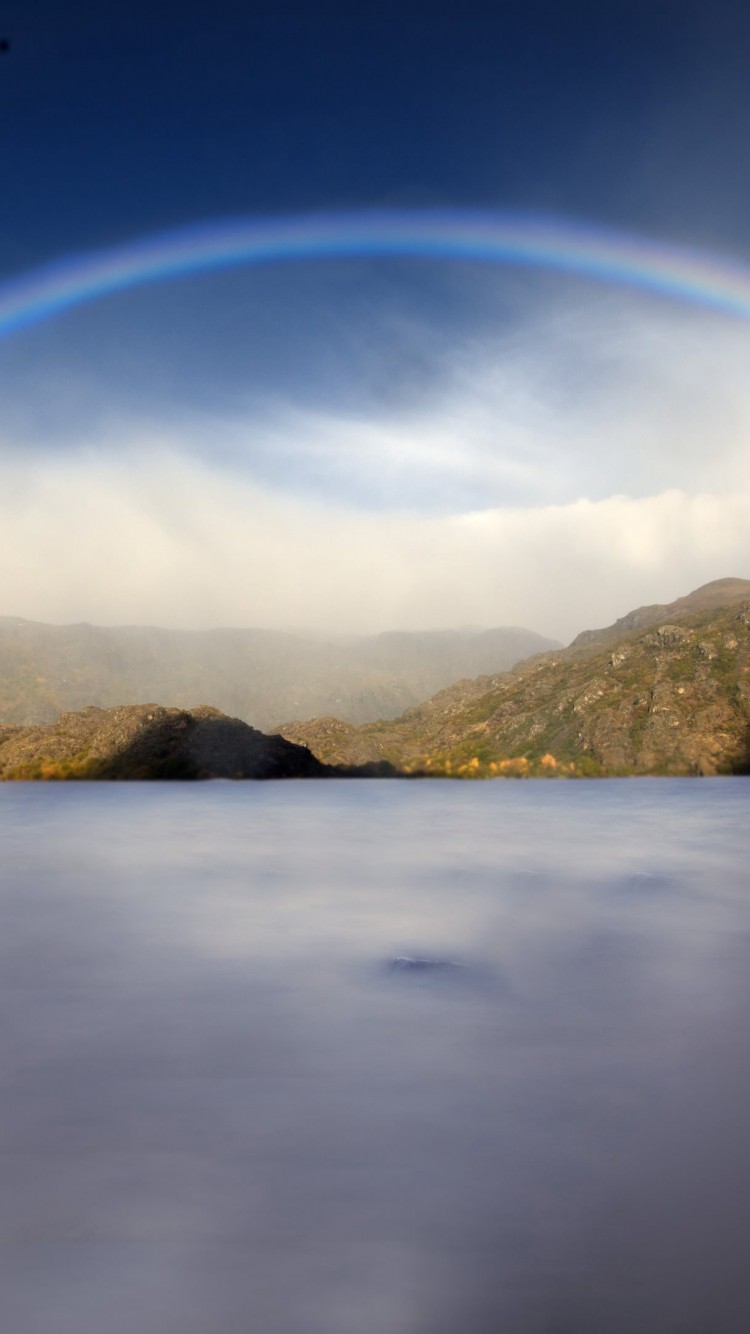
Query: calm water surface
point(224, 1113)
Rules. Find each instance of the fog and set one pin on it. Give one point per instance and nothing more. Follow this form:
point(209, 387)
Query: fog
point(579, 461)
point(222, 1108)
point(167, 542)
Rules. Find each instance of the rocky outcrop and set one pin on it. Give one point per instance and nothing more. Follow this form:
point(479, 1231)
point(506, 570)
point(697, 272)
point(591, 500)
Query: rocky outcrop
point(720, 593)
point(343, 743)
point(145, 741)
point(664, 691)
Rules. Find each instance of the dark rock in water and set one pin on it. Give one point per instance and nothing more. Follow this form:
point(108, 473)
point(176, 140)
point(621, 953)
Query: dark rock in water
point(452, 974)
point(406, 963)
point(644, 882)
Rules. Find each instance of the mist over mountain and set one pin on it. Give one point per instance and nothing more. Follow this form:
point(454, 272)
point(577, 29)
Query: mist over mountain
point(666, 689)
point(259, 676)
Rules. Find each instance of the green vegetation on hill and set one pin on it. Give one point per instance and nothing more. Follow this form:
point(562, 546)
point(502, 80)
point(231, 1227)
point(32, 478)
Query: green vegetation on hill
point(664, 691)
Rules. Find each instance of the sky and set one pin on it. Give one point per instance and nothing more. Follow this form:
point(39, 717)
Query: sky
point(372, 442)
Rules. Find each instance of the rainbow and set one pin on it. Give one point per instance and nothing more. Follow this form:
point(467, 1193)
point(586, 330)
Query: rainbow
point(489, 237)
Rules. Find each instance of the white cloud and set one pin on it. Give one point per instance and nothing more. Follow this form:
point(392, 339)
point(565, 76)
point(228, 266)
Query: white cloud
point(605, 395)
point(158, 538)
point(593, 400)
point(584, 462)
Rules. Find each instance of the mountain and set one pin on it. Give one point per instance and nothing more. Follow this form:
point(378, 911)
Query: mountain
point(709, 597)
point(259, 676)
point(147, 741)
point(665, 690)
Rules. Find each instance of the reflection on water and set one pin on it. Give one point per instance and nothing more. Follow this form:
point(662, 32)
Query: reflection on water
point(228, 1107)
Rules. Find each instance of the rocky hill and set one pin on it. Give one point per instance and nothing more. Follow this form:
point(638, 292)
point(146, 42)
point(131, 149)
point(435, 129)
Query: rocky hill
point(666, 690)
point(149, 742)
point(256, 675)
point(709, 597)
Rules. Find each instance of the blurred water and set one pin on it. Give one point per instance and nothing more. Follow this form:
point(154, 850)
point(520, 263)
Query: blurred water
point(223, 1111)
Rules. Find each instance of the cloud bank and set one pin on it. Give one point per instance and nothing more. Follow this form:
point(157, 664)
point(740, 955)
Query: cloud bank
point(160, 539)
point(589, 459)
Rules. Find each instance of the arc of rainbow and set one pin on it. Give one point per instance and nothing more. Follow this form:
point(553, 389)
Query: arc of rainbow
point(503, 238)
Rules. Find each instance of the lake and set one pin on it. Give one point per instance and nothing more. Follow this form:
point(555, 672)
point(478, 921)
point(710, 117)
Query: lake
point(376, 1057)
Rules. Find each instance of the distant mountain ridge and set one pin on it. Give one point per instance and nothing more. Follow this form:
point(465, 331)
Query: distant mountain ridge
point(666, 689)
point(258, 676)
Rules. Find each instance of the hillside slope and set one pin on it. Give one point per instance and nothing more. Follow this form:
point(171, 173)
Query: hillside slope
point(149, 742)
point(666, 690)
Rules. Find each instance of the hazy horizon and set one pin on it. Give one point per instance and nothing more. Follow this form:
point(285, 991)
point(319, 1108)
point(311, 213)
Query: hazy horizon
point(331, 634)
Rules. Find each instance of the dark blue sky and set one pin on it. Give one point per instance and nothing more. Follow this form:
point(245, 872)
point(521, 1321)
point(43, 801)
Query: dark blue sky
point(116, 119)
